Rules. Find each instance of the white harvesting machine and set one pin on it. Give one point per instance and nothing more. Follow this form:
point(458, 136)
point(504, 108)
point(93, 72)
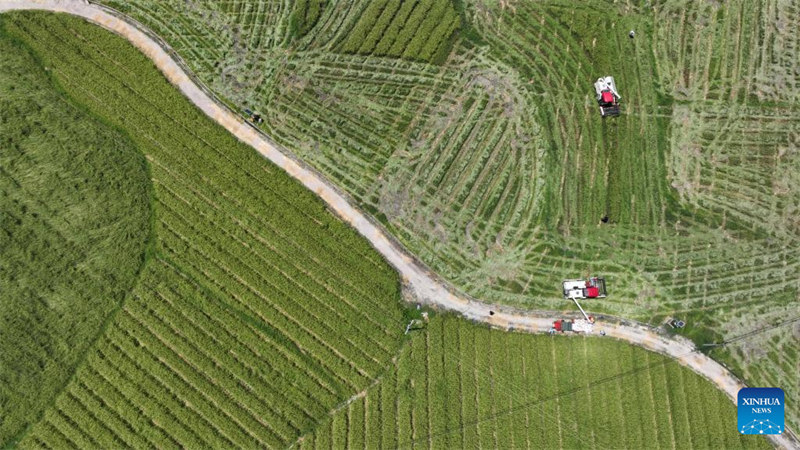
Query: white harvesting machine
point(594, 287)
point(607, 96)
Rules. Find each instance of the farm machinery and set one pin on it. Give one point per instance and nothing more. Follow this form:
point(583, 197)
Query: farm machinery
point(607, 96)
point(574, 325)
point(594, 287)
point(253, 118)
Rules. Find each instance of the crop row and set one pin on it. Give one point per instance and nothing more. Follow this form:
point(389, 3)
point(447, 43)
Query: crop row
point(203, 147)
point(600, 167)
point(261, 310)
point(456, 385)
point(74, 196)
point(471, 155)
point(417, 30)
point(231, 45)
point(346, 115)
point(349, 124)
point(305, 14)
point(321, 283)
point(317, 233)
point(739, 163)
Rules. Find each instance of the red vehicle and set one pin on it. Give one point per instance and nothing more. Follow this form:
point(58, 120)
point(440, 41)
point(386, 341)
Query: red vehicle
point(592, 288)
point(607, 96)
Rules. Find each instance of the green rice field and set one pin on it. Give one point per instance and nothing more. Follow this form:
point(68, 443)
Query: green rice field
point(246, 324)
point(457, 385)
point(75, 220)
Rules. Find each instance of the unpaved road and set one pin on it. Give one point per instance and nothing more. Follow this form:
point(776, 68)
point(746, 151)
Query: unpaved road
point(426, 287)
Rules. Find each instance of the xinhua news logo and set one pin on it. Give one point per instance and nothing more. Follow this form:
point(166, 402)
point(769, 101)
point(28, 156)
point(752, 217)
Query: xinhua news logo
point(761, 411)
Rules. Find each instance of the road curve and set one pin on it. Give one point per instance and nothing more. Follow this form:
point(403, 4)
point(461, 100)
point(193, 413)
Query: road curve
point(424, 285)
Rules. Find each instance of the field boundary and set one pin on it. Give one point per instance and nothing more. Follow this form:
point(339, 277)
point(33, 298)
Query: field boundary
point(426, 286)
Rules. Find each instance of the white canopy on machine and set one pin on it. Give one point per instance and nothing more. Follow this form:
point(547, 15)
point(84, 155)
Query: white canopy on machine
point(606, 84)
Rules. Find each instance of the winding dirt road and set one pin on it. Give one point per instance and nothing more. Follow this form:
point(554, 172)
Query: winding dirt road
point(424, 285)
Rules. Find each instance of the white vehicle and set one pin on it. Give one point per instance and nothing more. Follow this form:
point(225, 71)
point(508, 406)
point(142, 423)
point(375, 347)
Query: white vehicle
point(607, 96)
point(592, 288)
point(575, 325)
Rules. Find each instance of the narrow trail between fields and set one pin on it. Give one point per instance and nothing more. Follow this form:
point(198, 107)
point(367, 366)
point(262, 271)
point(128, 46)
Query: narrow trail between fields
point(426, 287)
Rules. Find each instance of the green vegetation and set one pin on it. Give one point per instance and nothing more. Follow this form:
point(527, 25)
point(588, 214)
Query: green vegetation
point(417, 30)
point(456, 385)
point(258, 311)
point(495, 167)
point(305, 14)
point(75, 221)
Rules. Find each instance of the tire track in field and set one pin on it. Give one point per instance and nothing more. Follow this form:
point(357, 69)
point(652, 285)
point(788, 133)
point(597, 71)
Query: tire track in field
point(425, 285)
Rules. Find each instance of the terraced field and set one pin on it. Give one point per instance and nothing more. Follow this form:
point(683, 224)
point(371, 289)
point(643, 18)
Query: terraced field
point(495, 168)
point(258, 312)
point(456, 385)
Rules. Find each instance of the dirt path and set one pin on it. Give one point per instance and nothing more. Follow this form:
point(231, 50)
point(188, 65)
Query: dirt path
point(425, 286)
